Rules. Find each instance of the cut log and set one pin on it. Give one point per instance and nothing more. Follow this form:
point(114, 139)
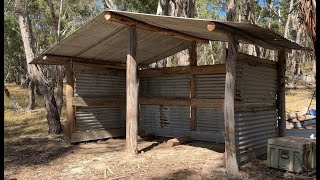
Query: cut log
point(178, 141)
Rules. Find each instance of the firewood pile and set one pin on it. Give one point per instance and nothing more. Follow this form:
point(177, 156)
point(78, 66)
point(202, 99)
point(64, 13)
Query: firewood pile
point(300, 120)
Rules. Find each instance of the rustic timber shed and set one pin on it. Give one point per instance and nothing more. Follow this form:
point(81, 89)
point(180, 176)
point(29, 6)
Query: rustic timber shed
point(111, 91)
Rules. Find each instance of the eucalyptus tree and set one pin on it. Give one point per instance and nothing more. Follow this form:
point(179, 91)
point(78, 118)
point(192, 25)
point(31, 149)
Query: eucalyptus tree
point(39, 29)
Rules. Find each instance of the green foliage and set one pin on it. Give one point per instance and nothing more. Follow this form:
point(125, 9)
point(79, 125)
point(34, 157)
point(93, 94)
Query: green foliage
point(14, 59)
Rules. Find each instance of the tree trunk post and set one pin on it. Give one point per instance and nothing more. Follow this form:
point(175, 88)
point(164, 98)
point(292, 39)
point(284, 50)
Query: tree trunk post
point(230, 146)
point(71, 120)
point(132, 94)
point(281, 92)
point(193, 62)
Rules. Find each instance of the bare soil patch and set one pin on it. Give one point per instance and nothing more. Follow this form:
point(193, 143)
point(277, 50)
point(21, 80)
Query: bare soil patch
point(36, 157)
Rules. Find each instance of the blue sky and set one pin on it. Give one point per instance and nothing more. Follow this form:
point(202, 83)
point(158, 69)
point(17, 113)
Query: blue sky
point(100, 4)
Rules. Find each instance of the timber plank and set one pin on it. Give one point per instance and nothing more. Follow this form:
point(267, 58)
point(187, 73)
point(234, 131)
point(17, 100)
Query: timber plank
point(81, 101)
point(164, 101)
point(98, 69)
point(95, 135)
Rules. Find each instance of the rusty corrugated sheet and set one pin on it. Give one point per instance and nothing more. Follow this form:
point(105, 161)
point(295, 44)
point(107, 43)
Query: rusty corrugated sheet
point(210, 86)
point(97, 118)
point(100, 39)
point(168, 121)
point(252, 132)
point(255, 87)
point(175, 86)
point(92, 85)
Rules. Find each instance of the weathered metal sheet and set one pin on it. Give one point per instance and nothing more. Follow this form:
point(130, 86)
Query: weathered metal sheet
point(198, 28)
point(255, 88)
point(209, 123)
point(252, 132)
point(165, 120)
point(210, 86)
point(99, 118)
point(92, 85)
point(106, 40)
point(175, 86)
point(209, 119)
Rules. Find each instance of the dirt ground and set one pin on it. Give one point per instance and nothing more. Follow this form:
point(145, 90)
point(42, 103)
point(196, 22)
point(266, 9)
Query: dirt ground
point(38, 157)
point(31, 154)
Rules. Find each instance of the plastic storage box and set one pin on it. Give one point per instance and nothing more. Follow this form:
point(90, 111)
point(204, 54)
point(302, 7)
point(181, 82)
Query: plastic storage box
point(294, 154)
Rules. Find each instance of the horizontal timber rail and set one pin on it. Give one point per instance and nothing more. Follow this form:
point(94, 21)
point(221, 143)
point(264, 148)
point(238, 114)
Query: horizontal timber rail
point(80, 101)
point(114, 17)
point(99, 134)
point(169, 101)
point(62, 59)
point(165, 101)
point(208, 103)
point(97, 69)
point(168, 71)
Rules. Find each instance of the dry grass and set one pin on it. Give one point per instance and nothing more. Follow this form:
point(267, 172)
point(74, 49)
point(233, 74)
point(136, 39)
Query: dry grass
point(299, 99)
point(20, 123)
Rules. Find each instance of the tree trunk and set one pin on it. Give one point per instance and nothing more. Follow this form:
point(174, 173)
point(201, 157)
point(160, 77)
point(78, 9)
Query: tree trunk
point(59, 96)
point(231, 15)
point(15, 104)
point(59, 69)
point(32, 98)
point(35, 73)
point(286, 29)
point(182, 8)
point(53, 117)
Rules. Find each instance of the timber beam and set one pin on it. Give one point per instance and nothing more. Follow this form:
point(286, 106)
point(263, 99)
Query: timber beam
point(63, 59)
point(214, 26)
point(229, 118)
point(281, 92)
point(114, 17)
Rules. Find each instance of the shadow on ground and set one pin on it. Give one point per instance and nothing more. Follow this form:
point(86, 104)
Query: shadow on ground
point(29, 151)
point(190, 174)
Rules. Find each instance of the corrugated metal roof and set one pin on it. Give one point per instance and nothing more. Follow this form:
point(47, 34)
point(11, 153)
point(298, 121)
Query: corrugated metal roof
point(100, 39)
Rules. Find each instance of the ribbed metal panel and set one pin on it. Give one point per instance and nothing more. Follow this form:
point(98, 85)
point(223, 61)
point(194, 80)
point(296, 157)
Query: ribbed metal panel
point(209, 120)
point(255, 84)
point(210, 86)
point(98, 118)
point(176, 86)
point(255, 87)
point(165, 120)
point(92, 85)
point(253, 130)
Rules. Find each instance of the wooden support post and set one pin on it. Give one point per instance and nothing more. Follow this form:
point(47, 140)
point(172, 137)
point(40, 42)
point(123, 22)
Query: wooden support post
point(71, 119)
point(229, 120)
point(193, 63)
point(281, 92)
point(132, 94)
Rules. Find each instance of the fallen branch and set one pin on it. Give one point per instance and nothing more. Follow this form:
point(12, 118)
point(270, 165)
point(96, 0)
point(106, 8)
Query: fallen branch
point(15, 104)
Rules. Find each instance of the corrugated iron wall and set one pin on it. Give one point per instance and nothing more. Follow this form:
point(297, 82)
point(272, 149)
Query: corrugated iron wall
point(210, 86)
point(93, 85)
point(99, 117)
point(173, 121)
point(165, 120)
point(175, 86)
point(209, 122)
point(255, 105)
